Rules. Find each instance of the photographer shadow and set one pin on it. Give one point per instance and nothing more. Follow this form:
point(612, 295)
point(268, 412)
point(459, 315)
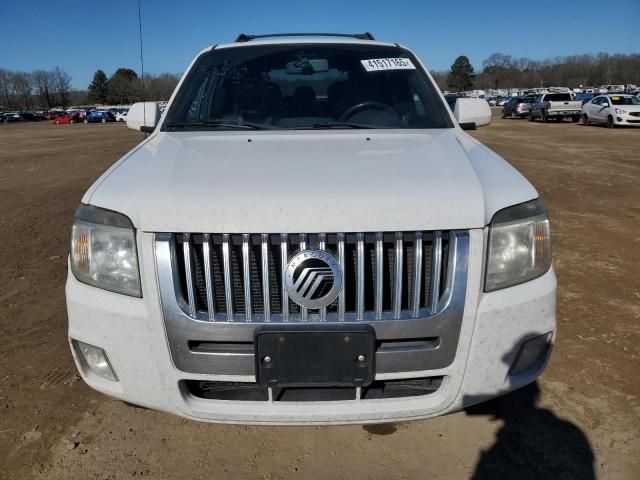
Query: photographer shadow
point(533, 443)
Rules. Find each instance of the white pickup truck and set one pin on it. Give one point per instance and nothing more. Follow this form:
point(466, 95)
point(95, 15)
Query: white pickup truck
point(556, 106)
point(309, 236)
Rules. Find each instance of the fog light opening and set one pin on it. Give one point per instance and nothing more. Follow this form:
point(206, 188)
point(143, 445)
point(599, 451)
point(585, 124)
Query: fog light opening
point(532, 354)
point(95, 360)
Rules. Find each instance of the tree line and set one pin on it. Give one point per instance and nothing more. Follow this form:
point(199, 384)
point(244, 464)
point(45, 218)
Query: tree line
point(40, 88)
point(124, 87)
point(47, 89)
point(504, 71)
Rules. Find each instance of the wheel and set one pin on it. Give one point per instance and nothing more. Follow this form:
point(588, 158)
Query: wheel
point(543, 117)
point(610, 123)
point(104, 120)
point(575, 119)
point(72, 121)
point(57, 122)
point(86, 121)
point(585, 120)
point(531, 117)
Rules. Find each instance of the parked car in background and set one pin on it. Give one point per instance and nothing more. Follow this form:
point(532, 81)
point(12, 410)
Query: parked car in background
point(501, 101)
point(68, 118)
point(584, 97)
point(451, 99)
point(31, 117)
point(122, 116)
point(100, 116)
point(80, 112)
point(556, 106)
point(613, 110)
point(518, 107)
point(11, 117)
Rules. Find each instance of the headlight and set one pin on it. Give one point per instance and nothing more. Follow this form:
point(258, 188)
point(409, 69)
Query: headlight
point(519, 246)
point(103, 251)
point(620, 110)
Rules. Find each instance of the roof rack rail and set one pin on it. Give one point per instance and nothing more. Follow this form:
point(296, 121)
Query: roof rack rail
point(361, 36)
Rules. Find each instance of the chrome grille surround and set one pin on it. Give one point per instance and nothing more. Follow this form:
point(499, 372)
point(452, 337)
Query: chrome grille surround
point(225, 311)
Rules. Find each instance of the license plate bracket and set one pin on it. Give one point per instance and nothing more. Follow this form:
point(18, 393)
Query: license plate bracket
point(315, 355)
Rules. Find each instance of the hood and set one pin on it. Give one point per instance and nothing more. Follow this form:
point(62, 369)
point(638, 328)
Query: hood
point(301, 181)
point(628, 108)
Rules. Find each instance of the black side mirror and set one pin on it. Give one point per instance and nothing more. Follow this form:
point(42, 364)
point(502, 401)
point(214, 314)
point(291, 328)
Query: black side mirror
point(468, 126)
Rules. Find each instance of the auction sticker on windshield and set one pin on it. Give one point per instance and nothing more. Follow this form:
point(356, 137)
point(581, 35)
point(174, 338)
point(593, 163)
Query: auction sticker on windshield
point(377, 64)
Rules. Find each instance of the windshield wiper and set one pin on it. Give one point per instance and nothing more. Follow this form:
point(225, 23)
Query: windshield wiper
point(217, 124)
point(319, 126)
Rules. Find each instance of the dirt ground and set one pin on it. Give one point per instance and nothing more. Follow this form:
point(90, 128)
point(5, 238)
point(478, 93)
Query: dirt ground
point(582, 417)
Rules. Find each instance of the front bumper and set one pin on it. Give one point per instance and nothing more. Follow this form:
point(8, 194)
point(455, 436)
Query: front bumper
point(624, 119)
point(131, 331)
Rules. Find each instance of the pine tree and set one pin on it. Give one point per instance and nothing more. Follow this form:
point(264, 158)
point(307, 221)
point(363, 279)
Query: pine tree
point(98, 87)
point(461, 76)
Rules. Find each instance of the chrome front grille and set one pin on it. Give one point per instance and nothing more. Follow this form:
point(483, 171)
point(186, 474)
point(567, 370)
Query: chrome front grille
point(239, 277)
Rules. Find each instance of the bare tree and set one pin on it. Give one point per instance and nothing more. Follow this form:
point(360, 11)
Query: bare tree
point(22, 89)
point(43, 83)
point(5, 87)
point(160, 87)
point(62, 86)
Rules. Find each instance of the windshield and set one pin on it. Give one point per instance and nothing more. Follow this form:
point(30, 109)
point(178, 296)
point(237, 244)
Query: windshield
point(307, 86)
point(625, 100)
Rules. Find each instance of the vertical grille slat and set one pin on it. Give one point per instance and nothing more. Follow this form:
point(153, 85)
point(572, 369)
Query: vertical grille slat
point(360, 277)
point(228, 283)
point(304, 311)
point(322, 245)
point(436, 268)
point(191, 294)
point(379, 274)
point(397, 275)
point(342, 302)
point(284, 259)
point(246, 276)
point(208, 278)
point(417, 274)
point(266, 291)
point(241, 277)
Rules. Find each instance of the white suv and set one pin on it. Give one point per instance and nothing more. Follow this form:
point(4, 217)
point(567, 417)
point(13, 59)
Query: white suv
point(308, 236)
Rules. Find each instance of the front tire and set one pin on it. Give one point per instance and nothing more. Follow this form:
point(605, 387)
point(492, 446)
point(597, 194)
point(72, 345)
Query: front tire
point(72, 121)
point(575, 119)
point(543, 117)
point(610, 122)
point(585, 120)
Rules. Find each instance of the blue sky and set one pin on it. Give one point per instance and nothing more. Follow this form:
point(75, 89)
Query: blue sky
point(81, 36)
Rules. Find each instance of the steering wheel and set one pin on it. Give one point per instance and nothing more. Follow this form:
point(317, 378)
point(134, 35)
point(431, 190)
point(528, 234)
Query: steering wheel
point(368, 105)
